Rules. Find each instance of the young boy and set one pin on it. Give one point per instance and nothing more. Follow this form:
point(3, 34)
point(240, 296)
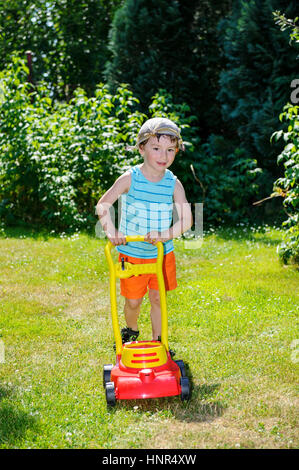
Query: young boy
point(148, 192)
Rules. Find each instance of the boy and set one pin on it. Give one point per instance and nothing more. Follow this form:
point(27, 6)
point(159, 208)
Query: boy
point(148, 192)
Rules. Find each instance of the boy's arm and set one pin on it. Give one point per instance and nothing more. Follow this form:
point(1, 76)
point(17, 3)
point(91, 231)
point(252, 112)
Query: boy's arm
point(121, 185)
point(184, 222)
point(183, 208)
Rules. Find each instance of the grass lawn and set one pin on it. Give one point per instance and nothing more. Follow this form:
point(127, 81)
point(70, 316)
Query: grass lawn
point(232, 319)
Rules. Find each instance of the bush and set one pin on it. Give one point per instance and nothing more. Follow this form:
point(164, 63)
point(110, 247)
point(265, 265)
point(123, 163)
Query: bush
point(229, 178)
point(58, 158)
point(288, 185)
point(215, 173)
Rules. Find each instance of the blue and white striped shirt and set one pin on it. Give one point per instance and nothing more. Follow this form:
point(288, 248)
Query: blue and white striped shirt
point(147, 206)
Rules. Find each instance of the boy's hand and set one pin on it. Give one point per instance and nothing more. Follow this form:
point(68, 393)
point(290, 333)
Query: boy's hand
point(154, 237)
point(117, 238)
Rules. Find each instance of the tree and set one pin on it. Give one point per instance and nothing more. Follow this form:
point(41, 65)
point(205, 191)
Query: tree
point(83, 32)
point(169, 45)
point(256, 81)
point(144, 43)
point(68, 40)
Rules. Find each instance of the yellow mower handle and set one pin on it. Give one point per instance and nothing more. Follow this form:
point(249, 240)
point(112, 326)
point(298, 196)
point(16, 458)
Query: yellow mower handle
point(117, 270)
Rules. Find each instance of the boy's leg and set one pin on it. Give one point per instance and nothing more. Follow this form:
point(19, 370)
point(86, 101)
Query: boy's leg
point(169, 272)
point(154, 298)
point(132, 310)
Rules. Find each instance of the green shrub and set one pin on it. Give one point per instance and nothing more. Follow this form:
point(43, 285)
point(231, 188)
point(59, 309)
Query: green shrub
point(254, 84)
point(58, 158)
point(215, 173)
point(288, 185)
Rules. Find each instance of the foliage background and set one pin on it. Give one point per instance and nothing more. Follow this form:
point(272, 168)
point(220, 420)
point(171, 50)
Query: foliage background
point(97, 69)
point(223, 71)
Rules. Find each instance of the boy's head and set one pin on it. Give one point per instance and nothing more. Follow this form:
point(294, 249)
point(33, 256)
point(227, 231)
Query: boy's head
point(159, 151)
point(157, 127)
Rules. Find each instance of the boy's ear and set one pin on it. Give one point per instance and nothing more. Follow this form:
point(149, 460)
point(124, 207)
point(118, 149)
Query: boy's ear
point(176, 150)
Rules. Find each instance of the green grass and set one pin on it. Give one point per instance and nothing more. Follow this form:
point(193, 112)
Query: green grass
point(232, 319)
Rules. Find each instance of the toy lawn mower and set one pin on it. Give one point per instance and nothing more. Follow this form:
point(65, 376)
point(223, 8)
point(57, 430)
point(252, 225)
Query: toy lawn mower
point(143, 369)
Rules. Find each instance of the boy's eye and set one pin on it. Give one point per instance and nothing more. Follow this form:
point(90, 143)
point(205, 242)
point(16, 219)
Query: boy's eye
point(157, 148)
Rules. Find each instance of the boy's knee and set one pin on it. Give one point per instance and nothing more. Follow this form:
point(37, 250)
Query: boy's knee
point(134, 303)
point(154, 297)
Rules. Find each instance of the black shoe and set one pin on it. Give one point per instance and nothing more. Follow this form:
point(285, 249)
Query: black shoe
point(171, 351)
point(127, 334)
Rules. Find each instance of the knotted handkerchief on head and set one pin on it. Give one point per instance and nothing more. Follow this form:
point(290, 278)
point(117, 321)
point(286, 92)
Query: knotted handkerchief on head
point(158, 126)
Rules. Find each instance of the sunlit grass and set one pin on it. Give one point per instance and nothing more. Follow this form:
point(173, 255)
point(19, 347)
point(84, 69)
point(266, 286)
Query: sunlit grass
point(232, 319)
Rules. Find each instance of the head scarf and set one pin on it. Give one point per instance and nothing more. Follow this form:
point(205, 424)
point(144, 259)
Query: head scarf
point(155, 126)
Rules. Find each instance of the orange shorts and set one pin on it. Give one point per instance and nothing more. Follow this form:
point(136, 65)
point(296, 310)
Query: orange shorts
point(136, 287)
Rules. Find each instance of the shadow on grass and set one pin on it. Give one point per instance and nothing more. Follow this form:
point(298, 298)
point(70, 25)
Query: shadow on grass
point(239, 234)
point(201, 407)
point(258, 235)
point(26, 232)
point(14, 422)
point(37, 233)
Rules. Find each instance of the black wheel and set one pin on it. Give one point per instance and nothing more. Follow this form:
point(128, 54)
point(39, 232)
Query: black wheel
point(182, 367)
point(110, 394)
point(107, 374)
point(185, 389)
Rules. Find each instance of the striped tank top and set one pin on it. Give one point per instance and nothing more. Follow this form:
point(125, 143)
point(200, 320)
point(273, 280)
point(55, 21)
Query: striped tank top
point(147, 206)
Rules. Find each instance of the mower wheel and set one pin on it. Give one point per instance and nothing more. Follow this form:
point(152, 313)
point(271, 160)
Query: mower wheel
point(110, 394)
point(185, 389)
point(182, 367)
point(107, 374)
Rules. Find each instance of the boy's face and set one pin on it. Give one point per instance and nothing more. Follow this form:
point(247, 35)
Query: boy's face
point(159, 154)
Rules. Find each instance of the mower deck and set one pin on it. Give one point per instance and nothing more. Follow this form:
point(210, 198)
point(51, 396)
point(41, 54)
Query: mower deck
point(145, 370)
